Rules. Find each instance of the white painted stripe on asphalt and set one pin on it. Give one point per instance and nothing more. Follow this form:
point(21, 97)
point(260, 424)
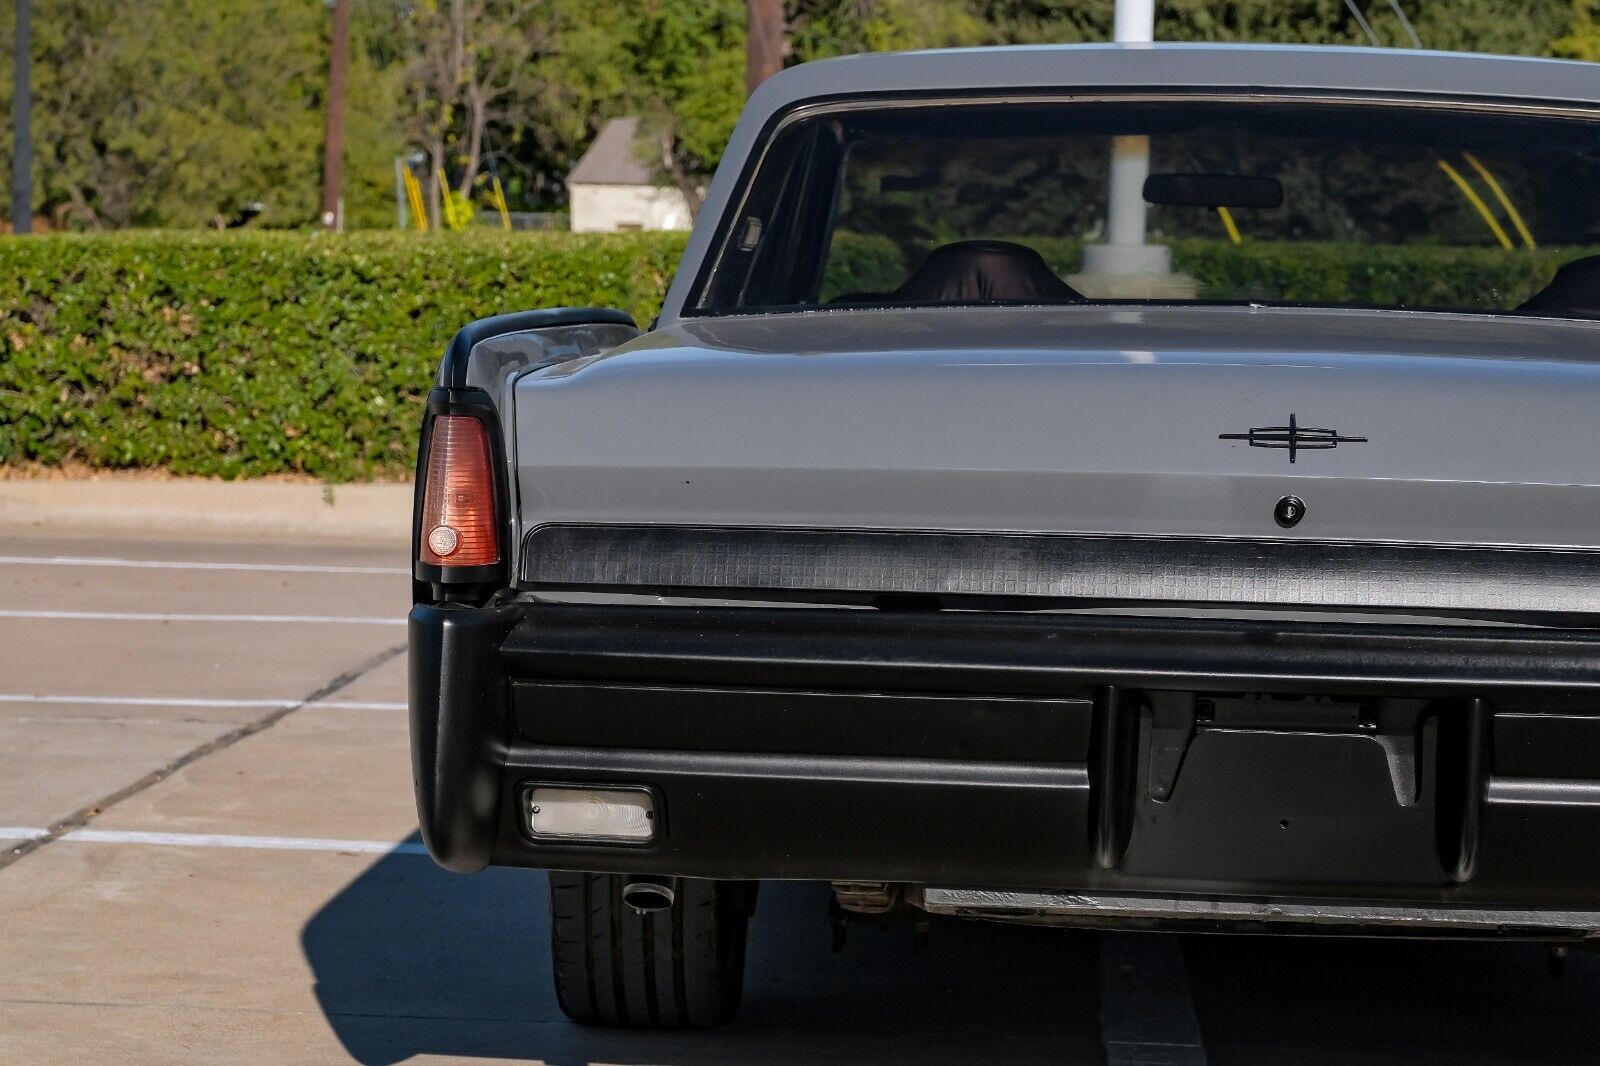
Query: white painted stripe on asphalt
point(176, 564)
point(152, 616)
point(17, 832)
point(185, 701)
point(1146, 1014)
point(141, 701)
point(225, 840)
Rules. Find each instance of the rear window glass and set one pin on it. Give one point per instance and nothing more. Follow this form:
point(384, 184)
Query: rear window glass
point(1351, 204)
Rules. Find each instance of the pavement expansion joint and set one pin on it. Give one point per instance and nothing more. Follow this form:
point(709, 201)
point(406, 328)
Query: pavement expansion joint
point(84, 815)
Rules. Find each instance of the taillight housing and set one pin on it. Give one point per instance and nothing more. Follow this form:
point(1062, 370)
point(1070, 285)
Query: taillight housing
point(460, 524)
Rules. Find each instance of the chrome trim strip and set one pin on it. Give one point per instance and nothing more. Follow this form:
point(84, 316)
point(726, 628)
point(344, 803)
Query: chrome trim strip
point(1197, 94)
point(1545, 792)
point(643, 764)
point(982, 903)
point(1085, 570)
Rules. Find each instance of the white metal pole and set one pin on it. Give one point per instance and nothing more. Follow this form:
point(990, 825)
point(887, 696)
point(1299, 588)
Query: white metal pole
point(1130, 156)
point(1125, 213)
point(1125, 250)
point(1136, 22)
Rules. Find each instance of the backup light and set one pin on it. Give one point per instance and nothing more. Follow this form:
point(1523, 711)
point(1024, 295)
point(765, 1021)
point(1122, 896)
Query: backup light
point(459, 525)
point(600, 814)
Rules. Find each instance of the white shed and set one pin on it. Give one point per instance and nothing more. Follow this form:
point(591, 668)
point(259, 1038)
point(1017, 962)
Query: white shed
point(613, 188)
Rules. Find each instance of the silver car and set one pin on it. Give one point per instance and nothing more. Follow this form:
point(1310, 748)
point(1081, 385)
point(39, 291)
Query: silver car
point(1124, 487)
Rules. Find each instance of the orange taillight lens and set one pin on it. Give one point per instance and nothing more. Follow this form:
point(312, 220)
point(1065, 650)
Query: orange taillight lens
point(459, 526)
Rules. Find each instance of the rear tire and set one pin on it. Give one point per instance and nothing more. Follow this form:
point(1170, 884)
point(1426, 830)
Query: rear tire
point(681, 968)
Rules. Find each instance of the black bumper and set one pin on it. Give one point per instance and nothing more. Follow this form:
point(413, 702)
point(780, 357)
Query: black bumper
point(1444, 766)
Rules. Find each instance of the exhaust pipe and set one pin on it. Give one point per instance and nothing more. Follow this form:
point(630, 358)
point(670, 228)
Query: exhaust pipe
point(649, 895)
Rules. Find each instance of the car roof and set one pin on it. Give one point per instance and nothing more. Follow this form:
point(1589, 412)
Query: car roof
point(1187, 66)
point(1121, 67)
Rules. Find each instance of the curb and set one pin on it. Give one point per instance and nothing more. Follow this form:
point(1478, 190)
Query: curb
point(361, 512)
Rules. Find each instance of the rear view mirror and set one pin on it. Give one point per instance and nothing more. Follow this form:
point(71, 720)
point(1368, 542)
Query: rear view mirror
point(909, 182)
point(1212, 190)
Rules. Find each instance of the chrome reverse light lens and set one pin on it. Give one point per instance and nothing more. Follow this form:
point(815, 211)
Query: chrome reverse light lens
point(597, 814)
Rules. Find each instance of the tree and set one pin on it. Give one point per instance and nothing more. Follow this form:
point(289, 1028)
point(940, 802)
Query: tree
point(678, 64)
point(176, 112)
point(831, 27)
point(686, 58)
point(475, 67)
point(1582, 40)
point(172, 113)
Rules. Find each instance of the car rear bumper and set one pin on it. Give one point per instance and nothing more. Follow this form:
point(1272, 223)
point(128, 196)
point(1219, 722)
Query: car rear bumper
point(1067, 756)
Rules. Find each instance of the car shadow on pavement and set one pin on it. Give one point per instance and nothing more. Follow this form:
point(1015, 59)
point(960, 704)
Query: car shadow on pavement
point(1339, 1001)
point(410, 960)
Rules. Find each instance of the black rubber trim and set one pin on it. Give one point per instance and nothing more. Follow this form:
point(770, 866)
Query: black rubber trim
point(460, 726)
point(845, 565)
point(841, 809)
point(1001, 654)
point(727, 718)
point(453, 369)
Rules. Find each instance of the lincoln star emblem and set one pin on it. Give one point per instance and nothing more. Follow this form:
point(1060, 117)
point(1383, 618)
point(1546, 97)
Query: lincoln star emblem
point(1294, 437)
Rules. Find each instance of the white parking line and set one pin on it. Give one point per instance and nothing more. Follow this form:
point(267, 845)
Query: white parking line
point(17, 832)
point(174, 564)
point(217, 840)
point(193, 702)
point(1146, 1013)
point(152, 616)
point(224, 840)
point(141, 701)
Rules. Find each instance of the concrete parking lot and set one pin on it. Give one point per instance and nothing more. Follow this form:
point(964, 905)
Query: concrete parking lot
point(208, 853)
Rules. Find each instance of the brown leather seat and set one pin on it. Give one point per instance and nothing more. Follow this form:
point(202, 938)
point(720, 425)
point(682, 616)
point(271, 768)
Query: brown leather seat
point(1573, 293)
point(982, 271)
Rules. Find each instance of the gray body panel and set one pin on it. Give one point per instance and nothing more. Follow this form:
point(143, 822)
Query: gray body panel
point(1481, 429)
point(495, 363)
point(1094, 420)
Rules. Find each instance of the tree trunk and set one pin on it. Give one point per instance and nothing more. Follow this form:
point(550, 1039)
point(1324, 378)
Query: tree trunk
point(435, 183)
point(685, 181)
point(78, 207)
point(763, 41)
point(333, 142)
point(477, 112)
point(21, 126)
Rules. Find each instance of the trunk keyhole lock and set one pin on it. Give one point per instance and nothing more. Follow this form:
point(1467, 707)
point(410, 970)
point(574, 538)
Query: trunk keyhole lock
point(1289, 511)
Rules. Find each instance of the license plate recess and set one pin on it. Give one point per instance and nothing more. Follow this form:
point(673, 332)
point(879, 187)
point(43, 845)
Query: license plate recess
point(1248, 789)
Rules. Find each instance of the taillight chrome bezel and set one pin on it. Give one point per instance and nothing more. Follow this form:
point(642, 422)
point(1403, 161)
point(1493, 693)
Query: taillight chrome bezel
point(433, 581)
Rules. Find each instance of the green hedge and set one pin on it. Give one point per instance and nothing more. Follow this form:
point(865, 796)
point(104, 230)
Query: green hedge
point(249, 354)
point(1421, 275)
point(1410, 275)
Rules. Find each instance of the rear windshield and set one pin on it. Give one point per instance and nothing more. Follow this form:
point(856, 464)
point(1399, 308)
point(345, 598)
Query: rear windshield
point(1330, 204)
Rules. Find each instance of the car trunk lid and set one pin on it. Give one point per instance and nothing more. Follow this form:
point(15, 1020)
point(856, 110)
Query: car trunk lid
point(1408, 427)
